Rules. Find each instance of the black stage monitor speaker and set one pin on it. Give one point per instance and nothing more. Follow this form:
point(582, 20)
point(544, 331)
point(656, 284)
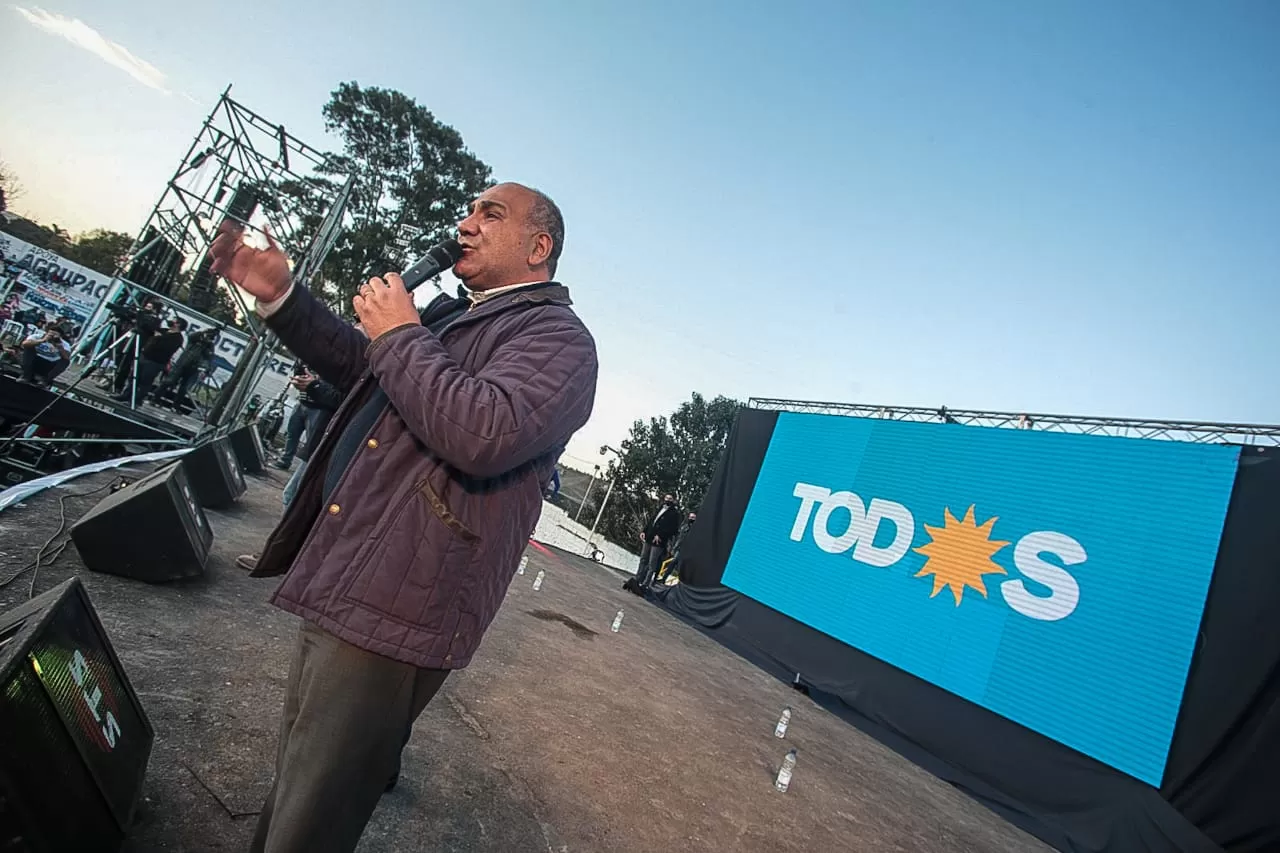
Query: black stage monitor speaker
point(153, 530)
point(214, 473)
point(247, 445)
point(74, 740)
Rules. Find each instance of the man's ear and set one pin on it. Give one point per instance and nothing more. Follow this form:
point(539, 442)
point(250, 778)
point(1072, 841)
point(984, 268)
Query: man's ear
point(542, 246)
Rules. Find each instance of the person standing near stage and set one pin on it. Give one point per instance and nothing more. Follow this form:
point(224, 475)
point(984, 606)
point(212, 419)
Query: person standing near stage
point(154, 359)
point(685, 529)
point(45, 354)
point(415, 507)
point(197, 356)
point(655, 538)
point(145, 326)
point(672, 564)
point(310, 415)
point(322, 399)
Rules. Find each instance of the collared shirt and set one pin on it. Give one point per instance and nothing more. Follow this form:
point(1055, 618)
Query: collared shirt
point(478, 296)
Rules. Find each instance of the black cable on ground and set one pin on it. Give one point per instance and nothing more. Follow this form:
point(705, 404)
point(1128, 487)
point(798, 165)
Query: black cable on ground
point(43, 559)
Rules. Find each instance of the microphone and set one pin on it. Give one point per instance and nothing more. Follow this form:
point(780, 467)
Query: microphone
point(434, 262)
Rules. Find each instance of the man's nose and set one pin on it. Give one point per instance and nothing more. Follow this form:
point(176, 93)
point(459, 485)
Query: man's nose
point(466, 226)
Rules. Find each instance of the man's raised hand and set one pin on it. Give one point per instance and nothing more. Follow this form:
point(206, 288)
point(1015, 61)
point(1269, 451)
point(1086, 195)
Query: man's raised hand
point(262, 272)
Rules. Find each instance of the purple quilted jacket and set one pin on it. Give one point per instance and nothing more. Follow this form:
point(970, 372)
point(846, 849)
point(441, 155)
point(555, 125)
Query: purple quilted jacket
point(413, 552)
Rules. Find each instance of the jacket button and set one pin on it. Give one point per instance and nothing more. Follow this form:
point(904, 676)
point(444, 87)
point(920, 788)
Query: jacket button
point(372, 443)
point(448, 658)
point(334, 509)
point(457, 635)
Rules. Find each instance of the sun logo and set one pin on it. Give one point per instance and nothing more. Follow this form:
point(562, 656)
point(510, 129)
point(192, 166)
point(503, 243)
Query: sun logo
point(960, 554)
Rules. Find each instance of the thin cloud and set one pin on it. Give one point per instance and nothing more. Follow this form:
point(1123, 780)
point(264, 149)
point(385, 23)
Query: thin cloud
point(84, 36)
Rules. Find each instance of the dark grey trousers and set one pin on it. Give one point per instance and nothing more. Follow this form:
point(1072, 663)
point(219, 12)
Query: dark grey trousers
point(650, 561)
point(346, 712)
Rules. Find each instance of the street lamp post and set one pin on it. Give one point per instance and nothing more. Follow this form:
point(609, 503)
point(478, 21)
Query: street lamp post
point(595, 473)
point(608, 492)
point(600, 514)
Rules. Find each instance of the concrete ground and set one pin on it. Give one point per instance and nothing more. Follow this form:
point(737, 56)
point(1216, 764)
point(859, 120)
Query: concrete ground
point(561, 736)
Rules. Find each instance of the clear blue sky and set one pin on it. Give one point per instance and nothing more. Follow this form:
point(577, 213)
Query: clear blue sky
point(1069, 207)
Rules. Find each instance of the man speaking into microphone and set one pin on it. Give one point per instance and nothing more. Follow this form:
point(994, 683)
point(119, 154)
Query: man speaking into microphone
point(415, 507)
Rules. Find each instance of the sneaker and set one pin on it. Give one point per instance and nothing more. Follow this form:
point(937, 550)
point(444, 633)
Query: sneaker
point(283, 466)
point(248, 562)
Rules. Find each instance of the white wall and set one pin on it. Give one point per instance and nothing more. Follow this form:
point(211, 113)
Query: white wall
point(555, 527)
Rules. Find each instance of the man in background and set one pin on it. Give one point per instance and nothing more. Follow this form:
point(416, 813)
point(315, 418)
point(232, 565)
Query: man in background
point(672, 565)
point(657, 535)
point(321, 399)
point(325, 398)
point(310, 415)
point(45, 354)
point(155, 359)
point(684, 532)
point(196, 356)
point(145, 325)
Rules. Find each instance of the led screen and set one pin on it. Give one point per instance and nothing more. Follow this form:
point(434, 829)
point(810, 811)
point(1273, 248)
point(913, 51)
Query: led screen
point(1055, 579)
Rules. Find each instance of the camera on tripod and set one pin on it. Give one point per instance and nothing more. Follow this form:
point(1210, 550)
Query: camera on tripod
point(145, 318)
point(127, 313)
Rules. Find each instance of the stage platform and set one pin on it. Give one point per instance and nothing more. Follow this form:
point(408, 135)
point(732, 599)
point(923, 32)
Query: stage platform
point(165, 420)
point(84, 413)
point(561, 736)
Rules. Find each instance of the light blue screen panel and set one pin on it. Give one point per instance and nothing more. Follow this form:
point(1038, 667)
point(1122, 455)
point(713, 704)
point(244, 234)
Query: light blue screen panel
point(1057, 580)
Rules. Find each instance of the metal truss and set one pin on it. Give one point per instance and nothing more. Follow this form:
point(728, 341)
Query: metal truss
point(243, 167)
point(1200, 432)
point(239, 167)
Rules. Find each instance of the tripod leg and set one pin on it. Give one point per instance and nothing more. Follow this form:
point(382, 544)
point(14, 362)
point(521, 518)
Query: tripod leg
point(133, 376)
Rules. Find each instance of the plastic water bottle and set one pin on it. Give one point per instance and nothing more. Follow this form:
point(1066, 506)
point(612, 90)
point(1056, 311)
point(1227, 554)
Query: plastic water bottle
point(783, 782)
point(537, 582)
point(780, 730)
point(617, 622)
point(524, 564)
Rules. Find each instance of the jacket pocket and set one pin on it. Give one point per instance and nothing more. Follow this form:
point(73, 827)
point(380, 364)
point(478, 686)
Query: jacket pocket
point(446, 515)
point(416, 568)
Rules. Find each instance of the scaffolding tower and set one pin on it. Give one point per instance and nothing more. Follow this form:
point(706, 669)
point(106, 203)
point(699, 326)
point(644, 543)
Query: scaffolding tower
point(244, 168)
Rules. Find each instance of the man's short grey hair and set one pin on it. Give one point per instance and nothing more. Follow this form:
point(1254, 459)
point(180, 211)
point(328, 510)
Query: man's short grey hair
point(544, 215)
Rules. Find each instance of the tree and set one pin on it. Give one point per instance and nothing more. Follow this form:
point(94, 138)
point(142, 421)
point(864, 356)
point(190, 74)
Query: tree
point(676, 455)
point(10, 188)
point(224, 307)
point(409, 169)
point(100, 249)
point(50, 237)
